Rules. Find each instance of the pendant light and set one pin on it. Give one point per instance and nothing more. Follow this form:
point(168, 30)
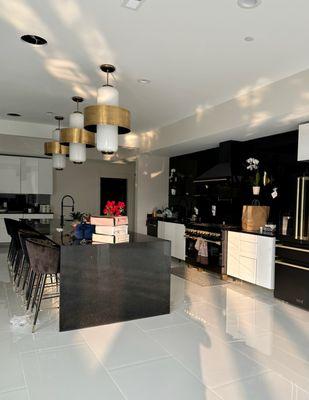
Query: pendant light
point(55, 149)
point(106, 118)
point(75, 136)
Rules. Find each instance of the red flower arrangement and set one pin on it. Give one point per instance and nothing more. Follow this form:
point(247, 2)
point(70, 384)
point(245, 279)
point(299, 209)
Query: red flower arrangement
point(113, 209)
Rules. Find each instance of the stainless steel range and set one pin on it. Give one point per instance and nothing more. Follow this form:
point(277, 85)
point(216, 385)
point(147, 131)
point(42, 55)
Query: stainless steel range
point(206, 246)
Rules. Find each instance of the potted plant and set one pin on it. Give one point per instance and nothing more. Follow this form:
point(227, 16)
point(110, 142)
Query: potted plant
point(253, 166)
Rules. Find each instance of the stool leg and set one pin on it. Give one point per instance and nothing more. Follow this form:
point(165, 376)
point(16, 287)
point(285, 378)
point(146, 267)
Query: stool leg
point(35, 295)
point(30, 288)
point(38, 305)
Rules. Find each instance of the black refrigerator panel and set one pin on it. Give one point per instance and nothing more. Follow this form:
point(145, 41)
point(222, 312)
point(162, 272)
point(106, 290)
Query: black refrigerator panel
point(292, 283)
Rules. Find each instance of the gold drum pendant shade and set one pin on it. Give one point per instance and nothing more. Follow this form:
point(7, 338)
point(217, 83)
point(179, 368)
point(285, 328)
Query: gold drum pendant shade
point(102, 114)
point(54, 147)
point(76, 135)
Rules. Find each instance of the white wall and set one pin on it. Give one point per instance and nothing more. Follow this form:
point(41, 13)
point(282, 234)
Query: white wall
point(151, 183)
point(271, 109)
point(83, 183)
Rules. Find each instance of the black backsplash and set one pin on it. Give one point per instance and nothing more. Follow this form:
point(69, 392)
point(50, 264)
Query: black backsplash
point(277, 155)
point(20, 202)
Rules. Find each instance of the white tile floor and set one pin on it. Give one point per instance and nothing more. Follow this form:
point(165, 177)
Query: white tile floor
point(226, 342)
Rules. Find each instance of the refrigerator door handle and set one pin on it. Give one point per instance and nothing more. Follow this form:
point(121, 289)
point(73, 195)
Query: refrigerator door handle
point(297, 209)
point(302, 209)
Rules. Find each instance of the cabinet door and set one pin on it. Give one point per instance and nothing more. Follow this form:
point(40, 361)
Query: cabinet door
point(180, 242)
point(161, 226)
point(170, 235)
point(265, 274)
point(45, 176)
point(9, 174)
point(233, 254)
point(29, 175)
point(247, 269)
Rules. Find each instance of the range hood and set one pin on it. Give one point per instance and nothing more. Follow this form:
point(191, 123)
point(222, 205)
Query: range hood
point(227, 166)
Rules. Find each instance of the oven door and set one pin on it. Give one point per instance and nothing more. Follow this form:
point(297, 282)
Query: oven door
point(214, 259)
point(292, 283)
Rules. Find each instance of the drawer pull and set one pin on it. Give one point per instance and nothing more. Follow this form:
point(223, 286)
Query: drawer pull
point(291, 265)
point(281, 246)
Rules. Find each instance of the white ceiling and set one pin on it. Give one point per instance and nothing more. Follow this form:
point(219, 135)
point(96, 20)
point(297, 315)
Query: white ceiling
point(193, 52)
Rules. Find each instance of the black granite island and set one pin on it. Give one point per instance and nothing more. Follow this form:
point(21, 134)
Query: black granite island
point(105, 283)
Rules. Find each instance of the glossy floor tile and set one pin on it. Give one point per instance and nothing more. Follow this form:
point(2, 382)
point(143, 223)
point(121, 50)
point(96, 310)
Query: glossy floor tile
point(234, 341)
point(15, 395)
point(121, 344)
point(207, 357)
point(67, 373)
point(162, 379)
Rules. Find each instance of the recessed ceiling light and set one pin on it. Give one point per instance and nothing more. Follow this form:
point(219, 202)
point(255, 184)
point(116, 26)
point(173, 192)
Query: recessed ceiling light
point(249, 39)
point(144, 81)
point(13, 115)
point(34, 40)
point(132, 4)
point(249, 3)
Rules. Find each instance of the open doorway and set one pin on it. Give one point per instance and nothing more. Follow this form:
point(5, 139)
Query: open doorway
point(113, 189)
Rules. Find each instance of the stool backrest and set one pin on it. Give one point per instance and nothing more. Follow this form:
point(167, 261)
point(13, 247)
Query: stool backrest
point(44, 256)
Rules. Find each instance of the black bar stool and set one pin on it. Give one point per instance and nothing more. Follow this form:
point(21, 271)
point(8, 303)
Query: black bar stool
point(44, 257)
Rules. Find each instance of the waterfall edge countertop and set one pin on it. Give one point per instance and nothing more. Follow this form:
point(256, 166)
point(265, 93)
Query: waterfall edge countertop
point(106, 283)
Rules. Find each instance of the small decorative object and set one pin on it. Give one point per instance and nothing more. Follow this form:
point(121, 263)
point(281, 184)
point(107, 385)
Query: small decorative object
point(113, 209)
point(274, 193)
point(253, 166)
point(173, 181)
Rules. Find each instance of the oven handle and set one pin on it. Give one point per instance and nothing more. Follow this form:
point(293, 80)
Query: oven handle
point(206, 240)
point(291, 265)
point(281, 246)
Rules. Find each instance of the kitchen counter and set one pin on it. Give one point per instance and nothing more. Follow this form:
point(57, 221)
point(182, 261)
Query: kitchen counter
point(258, 233)
point(106, 283)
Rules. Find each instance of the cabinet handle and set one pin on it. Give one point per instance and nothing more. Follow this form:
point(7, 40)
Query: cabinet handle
point(291, 265)
point(281, 246)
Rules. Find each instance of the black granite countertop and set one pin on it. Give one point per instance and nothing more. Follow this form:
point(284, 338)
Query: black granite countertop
point(51, 228)
point(258, 233)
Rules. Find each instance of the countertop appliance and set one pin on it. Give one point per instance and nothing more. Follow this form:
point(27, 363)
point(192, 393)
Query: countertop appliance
point(152, 225)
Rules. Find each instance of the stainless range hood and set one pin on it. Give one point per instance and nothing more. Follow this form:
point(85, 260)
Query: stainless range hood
point(226, 169)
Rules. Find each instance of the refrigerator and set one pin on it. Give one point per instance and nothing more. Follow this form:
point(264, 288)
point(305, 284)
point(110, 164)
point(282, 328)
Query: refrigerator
point(292, 253)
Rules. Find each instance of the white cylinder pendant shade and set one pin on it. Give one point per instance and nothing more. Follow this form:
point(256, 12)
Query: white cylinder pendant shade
point(77, 152)
point(76, 120)
point(107, 138)
point(56, 135)
point(59, 161)
point(108, 95)
point(107, 135)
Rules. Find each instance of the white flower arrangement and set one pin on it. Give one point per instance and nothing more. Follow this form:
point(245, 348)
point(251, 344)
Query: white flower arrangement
point(253, 164)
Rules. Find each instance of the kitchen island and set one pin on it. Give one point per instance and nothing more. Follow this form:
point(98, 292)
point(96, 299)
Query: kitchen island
point(106, 283)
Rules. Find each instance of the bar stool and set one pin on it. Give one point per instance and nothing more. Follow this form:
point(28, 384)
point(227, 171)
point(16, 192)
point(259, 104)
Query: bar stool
point(44, 260)
point(12, 227)
point(24, 269)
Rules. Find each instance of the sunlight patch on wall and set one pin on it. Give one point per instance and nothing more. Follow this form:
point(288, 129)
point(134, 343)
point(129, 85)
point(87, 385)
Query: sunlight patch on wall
point(252, 96)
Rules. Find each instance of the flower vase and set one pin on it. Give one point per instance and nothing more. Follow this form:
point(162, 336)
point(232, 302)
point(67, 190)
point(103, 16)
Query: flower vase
point(256, 190)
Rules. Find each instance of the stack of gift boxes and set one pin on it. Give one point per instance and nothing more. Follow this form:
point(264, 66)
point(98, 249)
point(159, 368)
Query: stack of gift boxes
point(110, 229)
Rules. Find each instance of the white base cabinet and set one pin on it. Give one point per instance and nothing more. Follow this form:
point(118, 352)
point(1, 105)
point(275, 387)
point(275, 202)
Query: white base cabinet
point(251, 258)
point(175, 233)
point(4, 237)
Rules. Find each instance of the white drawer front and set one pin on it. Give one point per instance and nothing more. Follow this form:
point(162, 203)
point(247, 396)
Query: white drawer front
point(248, 249)
point(233, 237)
point(247, 269)
point(247, 237)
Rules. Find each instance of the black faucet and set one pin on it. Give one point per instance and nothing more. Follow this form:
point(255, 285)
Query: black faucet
point(66, 206)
